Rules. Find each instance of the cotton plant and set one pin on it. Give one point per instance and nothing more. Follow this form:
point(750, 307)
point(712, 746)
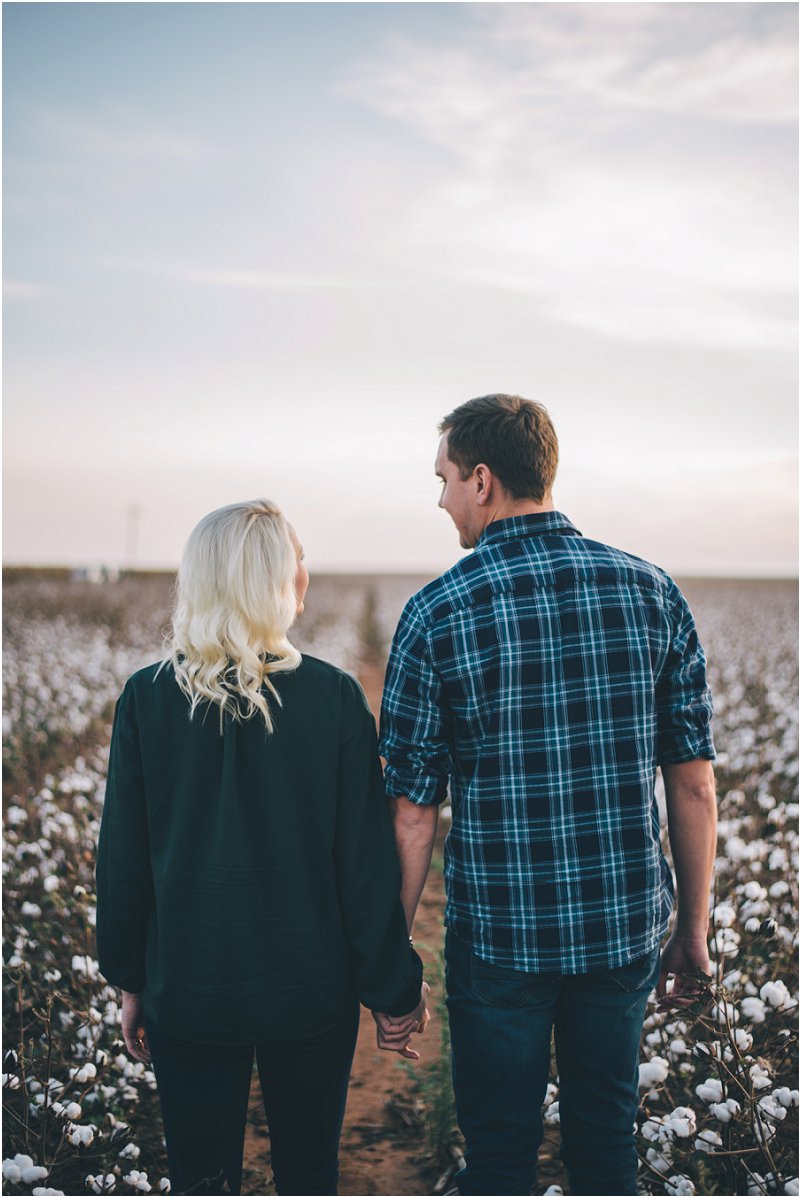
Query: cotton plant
point(719, 1107)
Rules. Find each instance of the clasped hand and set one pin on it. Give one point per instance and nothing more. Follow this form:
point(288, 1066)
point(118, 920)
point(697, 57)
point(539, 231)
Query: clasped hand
point(394, 1032)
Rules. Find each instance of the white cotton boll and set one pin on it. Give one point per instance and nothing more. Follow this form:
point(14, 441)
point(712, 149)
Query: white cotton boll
point(10, 1081)
point(73, 1112)
point(659, 1160)
point(11, 1171)
point(784, 1095)
point(51, 883)
point(86, 1073)
point(130, 1152)
point(725, 1111)
point(165, 1187)
point(52, 975)
point(760, 1078)
point(651, 1129)
point(681, 1122)
point(654, 1038)
point(775, 993)
point(652, 1072)
point(82, 1135)
point(554, 1190)
point(708, 1141)
point(23, 1161)
point(791, 1186)
point(679, 1184)
point(769, 1106)
point(779, 889)
point(31, 909)
point(753, 1009)
point(743, 1039)
point(723, 915)
point(678, 1047)
point(47, 1190)
point(756, 1185)
point(711, 1090)
point(754, 892)
point(33, 1173)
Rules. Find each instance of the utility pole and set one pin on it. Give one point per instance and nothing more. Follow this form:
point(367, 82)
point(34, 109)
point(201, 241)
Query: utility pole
point(132, 536)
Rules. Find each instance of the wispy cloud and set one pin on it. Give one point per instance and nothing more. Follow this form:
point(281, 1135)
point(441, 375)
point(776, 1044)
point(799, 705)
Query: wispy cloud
point(239, 278)
point(17, 289)
point(599, 159)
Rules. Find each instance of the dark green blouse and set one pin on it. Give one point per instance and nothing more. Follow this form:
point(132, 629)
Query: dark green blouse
point(248, 883)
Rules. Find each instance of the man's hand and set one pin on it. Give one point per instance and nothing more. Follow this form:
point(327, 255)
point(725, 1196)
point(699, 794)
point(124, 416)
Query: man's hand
point(682, 959)
point(394, 1032)
point(133, 1031)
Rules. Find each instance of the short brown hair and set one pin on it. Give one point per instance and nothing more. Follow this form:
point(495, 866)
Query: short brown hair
point(513, 436)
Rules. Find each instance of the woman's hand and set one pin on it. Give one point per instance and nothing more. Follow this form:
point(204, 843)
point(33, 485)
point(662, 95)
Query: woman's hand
point(394, 1032)
point(133, 1030)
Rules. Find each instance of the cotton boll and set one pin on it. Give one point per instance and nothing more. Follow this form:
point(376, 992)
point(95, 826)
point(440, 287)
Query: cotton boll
point(760, 1078)
point(659, 1160)
point(33, 1173)
point(679, 1184)
point(724, 915)
point(791, 1186)
point(652, 1072)
point(711, 1090)
point(753, 1010)
point(725, 1111)
point(776, 994)
point(681, 1122)
point(708, 1141)
point(11, 1171)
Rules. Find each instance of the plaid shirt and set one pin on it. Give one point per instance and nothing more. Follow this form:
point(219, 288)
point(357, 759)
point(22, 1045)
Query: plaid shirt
point(545, 677)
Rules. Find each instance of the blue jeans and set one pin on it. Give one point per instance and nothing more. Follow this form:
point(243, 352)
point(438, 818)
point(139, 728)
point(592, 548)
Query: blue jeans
point(501, 1022)
point(204, 1088)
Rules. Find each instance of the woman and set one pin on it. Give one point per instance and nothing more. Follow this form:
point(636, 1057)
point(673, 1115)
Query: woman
point(247, 880)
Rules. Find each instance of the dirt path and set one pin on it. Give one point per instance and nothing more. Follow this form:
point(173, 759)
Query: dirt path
point(383, 1145)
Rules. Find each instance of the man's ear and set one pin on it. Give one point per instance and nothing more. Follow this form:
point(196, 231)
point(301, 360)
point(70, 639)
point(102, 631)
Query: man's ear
point(484, 482)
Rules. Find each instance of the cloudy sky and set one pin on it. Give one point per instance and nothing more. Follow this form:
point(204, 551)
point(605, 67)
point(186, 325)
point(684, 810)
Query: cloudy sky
point(261, 249)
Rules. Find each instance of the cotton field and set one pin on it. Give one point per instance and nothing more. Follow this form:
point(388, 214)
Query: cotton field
point(719, 1085)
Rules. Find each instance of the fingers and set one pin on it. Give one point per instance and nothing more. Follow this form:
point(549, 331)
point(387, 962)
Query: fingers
point(136, 1043)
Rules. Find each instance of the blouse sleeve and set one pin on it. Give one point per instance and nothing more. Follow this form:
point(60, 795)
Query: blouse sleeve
point(387, 972)
point(124, 881)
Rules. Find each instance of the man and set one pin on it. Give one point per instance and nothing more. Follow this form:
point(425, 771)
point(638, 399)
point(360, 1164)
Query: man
point(542, 680)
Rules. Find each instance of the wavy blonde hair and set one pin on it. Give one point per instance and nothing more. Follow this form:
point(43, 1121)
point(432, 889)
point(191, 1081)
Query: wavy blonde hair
point(235, 602)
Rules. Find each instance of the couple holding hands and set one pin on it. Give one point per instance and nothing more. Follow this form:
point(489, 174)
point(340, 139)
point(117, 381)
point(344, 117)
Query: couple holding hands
point(258, 874)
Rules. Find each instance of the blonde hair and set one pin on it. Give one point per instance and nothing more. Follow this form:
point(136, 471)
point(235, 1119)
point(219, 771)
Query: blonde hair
point(235, 603)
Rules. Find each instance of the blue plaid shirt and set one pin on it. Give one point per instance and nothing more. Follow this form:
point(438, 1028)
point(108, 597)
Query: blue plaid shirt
point(545, 677)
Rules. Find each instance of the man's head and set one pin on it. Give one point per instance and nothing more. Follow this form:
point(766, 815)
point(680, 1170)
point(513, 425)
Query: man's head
point(497, 457)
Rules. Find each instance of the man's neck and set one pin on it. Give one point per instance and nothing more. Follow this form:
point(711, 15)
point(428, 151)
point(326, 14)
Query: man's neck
point(518, 507)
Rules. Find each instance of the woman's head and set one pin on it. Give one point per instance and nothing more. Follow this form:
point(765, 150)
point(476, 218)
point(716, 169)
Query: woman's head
point(240, 585)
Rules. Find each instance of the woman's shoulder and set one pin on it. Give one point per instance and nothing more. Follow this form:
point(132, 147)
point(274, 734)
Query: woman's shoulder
point(316, 672)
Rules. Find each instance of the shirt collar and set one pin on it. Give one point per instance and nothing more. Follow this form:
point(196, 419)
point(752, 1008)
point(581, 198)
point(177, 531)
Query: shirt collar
point(532, 525)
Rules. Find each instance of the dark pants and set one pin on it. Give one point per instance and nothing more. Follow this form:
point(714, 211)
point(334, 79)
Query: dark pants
point(501, 1022)
point(204, 1088)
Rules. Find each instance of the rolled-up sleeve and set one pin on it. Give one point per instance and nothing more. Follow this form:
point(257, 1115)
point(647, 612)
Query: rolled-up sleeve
point(124, 879)
point(415, 723)
point(387, 972)
point(684, 701)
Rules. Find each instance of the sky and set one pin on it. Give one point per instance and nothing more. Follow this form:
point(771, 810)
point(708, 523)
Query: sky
point(262, 249)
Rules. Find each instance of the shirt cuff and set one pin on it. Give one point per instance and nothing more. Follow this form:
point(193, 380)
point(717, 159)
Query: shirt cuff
point(422, 790)
point(683, 747)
